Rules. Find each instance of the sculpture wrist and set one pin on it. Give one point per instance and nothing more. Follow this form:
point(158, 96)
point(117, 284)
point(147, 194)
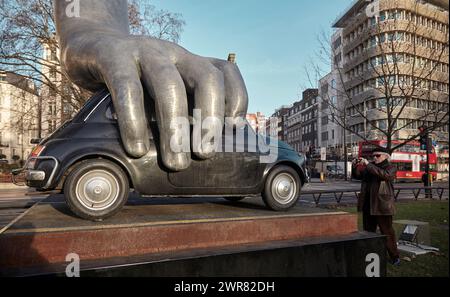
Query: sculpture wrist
point(113, 19)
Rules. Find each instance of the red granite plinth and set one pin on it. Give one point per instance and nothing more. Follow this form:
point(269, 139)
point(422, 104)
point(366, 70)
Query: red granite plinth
point(48, 232)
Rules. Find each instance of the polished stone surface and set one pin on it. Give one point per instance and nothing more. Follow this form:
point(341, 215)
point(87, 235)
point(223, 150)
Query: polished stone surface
point(48, 231)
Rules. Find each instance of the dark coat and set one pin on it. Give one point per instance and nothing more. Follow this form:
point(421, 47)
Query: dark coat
point(377, 185)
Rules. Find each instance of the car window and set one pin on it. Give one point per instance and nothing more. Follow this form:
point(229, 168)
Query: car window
point(110, 113)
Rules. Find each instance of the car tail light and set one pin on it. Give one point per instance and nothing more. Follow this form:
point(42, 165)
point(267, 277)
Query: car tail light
point(36, 152)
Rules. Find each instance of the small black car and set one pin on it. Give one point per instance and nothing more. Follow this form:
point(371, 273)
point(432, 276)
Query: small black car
point(85, 160)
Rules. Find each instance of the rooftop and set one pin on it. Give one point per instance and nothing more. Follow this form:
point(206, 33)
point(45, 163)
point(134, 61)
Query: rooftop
point(18, 81)
point(358, 5)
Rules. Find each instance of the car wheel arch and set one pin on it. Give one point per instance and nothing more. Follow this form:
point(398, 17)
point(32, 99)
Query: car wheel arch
point(74, 162)
point(294, 166)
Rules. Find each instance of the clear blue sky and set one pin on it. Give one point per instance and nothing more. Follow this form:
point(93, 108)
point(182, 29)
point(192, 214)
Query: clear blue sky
point(273, 40)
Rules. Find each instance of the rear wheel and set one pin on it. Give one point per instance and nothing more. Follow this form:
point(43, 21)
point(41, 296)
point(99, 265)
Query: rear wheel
point(282, 188)
point(96, 189)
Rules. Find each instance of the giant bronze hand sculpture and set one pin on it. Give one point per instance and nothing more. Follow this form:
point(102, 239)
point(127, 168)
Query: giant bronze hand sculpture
point(97, 49)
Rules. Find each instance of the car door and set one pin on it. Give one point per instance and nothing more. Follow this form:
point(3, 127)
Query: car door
point(228, 169)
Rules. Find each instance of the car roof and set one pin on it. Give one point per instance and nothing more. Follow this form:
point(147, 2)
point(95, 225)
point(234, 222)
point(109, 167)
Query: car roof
point(95, 107)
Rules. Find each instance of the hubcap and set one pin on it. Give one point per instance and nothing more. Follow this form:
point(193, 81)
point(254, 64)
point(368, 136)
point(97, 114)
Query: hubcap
point(284, 188)
point(97, 190)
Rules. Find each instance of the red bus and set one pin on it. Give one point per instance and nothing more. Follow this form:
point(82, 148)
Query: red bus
point(410, 159)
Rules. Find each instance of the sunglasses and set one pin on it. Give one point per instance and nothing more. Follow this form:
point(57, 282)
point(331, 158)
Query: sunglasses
point(377, 156)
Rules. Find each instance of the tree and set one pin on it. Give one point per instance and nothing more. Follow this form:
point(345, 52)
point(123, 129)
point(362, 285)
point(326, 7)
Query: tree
point(145, 19)
point(28, 47)
point(403, 67)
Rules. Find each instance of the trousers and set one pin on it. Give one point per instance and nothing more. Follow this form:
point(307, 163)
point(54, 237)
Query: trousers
point(370, 224)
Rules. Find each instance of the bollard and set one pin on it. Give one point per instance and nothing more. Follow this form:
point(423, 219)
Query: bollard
point(322, 177)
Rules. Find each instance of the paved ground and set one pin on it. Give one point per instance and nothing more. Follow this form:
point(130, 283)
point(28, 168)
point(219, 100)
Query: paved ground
point(14, 201)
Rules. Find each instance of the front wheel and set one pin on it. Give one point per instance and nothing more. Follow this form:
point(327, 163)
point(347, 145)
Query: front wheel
point(282, 188)
point(96, 189)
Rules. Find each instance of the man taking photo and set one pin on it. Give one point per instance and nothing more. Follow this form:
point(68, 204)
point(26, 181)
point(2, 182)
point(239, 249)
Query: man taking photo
point(376, 200)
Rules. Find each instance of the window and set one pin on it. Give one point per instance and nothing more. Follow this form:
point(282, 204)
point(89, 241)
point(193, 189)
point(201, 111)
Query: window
point(53, 55)
point(111, 113)
point(422, 104)
point(337, 43)
point(391, 36)
point(53, 73)
point(333, 100)
point(412, 102)
point(403, 166)
point(397, 102)
point(333, 83)
point(337, 59)
point(432, 105)
point(392, 15)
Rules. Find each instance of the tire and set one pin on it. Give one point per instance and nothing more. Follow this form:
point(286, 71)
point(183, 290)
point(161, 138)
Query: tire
point(234, 199)
point(87, 182)
point(282, 188)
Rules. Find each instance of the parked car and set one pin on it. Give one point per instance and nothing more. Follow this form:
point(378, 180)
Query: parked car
point(85, 160)
point(335, 170)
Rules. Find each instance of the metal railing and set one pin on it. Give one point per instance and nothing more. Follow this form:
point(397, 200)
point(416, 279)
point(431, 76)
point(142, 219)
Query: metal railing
point(416, 191)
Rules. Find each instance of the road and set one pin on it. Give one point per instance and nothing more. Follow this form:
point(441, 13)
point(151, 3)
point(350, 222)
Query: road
point(15, 201)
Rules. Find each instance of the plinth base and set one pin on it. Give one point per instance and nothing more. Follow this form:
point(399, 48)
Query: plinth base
point(184, 233)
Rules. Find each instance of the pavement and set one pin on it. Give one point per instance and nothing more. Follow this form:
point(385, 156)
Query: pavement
point(9, 186)
point(14, 201)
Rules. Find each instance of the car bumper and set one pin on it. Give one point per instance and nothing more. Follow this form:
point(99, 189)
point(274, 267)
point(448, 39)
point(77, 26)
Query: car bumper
point(34, 175)
point(37, 178)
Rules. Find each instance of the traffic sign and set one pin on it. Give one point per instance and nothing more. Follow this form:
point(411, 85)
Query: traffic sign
point(323, 153)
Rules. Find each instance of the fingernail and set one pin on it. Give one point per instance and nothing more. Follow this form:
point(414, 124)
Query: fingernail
point(139, 149)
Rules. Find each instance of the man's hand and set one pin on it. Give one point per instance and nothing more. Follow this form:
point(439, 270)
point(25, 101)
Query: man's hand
point(363, 162)
point(96, 49)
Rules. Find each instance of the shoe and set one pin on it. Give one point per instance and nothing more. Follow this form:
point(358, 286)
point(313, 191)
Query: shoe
point(396, 262)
